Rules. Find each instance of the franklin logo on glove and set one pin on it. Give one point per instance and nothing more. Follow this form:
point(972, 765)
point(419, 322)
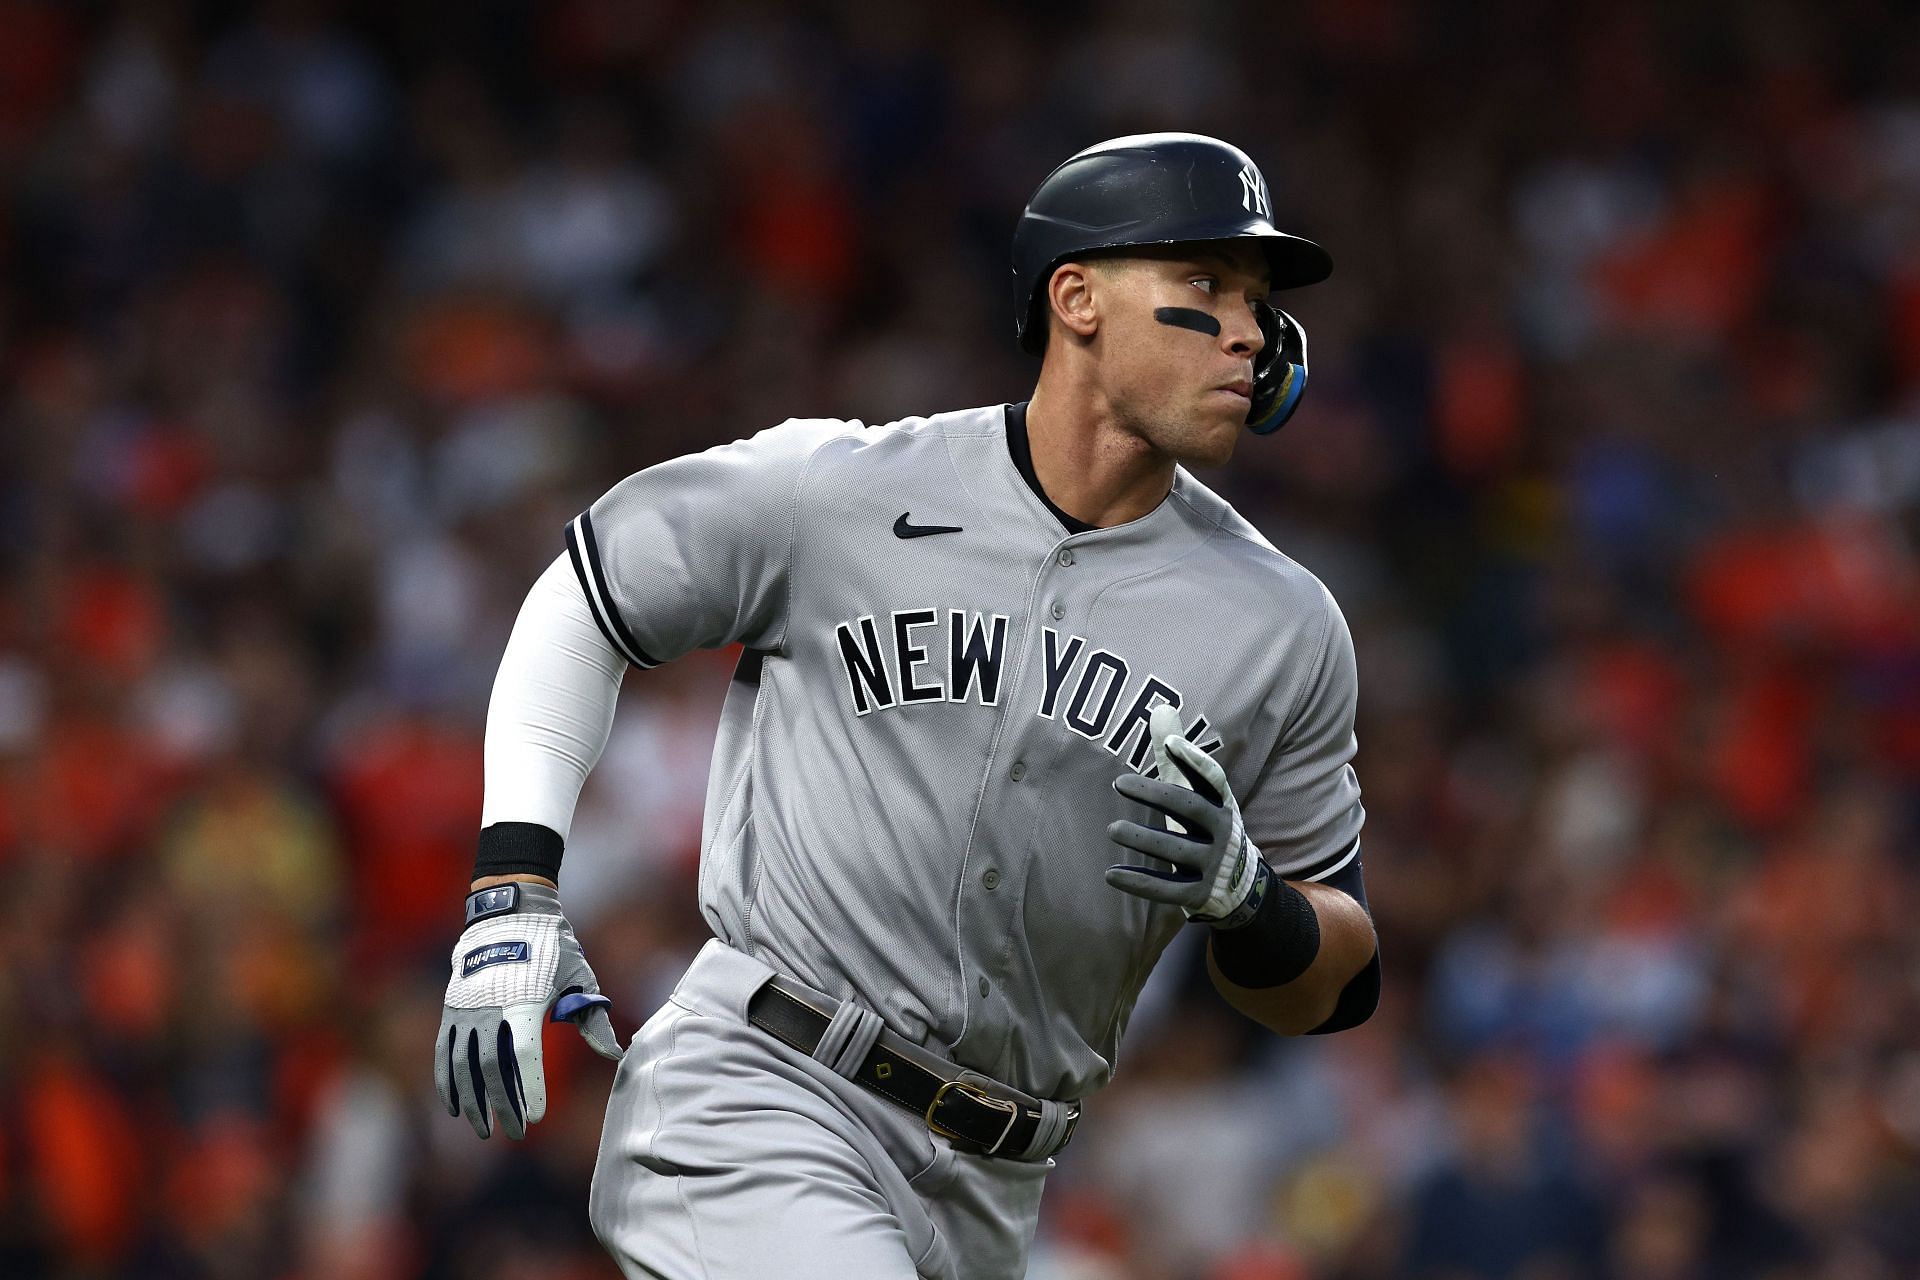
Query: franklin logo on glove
point(516, 965)
point(497, 953)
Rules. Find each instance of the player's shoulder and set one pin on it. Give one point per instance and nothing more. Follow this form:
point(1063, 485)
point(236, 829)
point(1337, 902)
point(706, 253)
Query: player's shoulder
point(1246, 554)
point(803, 437)
point(850, 438)
point(845, 453)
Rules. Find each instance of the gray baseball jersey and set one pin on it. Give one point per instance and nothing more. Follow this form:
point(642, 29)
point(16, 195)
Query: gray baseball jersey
point(913, 778)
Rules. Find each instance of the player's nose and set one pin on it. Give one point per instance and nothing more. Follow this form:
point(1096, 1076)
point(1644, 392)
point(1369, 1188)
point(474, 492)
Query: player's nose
point(1241, 335)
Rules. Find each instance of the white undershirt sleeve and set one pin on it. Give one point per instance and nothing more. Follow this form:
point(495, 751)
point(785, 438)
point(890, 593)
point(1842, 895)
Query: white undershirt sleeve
point(552, 706)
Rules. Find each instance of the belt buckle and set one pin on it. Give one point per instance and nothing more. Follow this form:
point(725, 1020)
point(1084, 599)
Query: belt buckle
point(978, 1095)
point(1073, 1122)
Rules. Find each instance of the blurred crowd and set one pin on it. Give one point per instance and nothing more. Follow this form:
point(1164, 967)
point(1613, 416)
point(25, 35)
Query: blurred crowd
point(319, 320)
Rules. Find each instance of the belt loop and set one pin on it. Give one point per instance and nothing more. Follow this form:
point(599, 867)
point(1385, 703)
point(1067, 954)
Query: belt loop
point(1056, 1120)
point(845, 1043)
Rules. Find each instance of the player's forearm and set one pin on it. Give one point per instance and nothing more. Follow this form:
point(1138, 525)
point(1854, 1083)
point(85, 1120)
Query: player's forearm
point(1294, 1008)
point(547, 723)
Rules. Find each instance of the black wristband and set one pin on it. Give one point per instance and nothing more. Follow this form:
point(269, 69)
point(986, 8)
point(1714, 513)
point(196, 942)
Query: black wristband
point(517, 849)
point(1278, 945)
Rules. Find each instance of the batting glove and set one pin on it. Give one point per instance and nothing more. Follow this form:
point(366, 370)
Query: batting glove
point(1217, 876)
point(517, 958)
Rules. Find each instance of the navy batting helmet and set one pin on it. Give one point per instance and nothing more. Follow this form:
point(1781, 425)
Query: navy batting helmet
point(1168, 188)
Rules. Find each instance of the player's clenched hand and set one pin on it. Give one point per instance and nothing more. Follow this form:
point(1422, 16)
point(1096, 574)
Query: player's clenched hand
point(517, 958)
point(1216, 869)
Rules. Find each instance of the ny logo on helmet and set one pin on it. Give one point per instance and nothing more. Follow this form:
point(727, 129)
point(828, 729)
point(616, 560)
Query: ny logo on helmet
point(1253, 192)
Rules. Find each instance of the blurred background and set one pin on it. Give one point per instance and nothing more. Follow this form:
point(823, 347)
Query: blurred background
point(318, 321)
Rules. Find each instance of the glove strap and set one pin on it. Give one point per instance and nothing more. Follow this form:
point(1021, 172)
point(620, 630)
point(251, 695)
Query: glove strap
point(1249, 907)
point(500, 900)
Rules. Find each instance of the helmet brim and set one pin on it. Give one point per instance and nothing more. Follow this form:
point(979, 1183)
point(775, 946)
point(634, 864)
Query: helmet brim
point(1293, 262)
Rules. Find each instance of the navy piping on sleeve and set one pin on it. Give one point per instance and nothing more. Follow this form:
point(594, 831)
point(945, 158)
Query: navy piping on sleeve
point(584, 551)
point(1327, 866)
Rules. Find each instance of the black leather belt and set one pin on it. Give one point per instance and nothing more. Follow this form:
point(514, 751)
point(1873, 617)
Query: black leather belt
point(974, 1120)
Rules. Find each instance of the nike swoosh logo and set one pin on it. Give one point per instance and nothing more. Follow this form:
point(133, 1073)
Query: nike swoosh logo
point(901, 529)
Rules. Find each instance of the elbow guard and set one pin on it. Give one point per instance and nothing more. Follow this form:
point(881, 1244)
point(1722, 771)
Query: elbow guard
point(1358, 999)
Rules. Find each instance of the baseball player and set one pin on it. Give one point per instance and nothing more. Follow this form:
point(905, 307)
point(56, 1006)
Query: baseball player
point(1019, 699)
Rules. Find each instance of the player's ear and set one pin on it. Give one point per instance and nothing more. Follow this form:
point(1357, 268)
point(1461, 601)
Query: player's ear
point(1072, 295)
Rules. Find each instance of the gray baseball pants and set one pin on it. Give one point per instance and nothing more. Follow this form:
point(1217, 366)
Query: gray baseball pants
point(728, 1155)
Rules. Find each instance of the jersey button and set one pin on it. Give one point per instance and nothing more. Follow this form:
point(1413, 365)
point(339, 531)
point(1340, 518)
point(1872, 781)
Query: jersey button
point(991, 879)
point(1059, 611)
point(984, 988)
point(1066, 555)
point(1018, 771)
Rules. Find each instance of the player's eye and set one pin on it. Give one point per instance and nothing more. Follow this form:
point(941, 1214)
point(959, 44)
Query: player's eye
point(1210, 284)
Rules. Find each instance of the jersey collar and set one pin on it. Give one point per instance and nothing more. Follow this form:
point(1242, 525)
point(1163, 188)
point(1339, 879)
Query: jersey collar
point(1022, 452)
point(1176, 519)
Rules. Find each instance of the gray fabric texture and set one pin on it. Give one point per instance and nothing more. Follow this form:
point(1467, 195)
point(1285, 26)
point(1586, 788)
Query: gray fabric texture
point(728, 1155)
point(921, 830)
